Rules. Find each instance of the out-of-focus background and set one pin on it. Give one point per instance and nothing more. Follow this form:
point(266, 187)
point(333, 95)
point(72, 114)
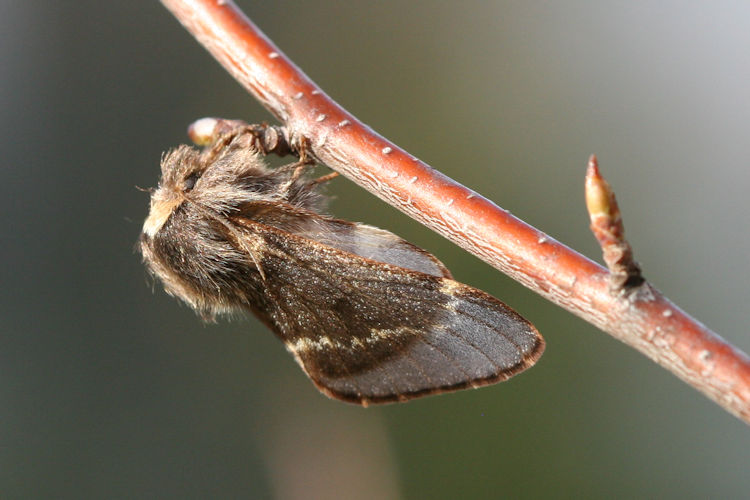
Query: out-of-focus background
point(109, 389)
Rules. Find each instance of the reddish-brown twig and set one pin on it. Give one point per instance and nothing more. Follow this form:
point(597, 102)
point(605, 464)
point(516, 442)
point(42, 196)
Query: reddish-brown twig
point(646, 321)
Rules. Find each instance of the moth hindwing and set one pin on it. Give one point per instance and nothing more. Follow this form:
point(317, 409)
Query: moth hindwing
point(368, 316)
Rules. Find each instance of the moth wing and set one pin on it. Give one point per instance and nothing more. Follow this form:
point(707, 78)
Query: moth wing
point(360, 239)
point(376, 244)
point(367, 332)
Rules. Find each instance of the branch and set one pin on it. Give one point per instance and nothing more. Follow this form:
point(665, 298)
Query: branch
point(643, 318)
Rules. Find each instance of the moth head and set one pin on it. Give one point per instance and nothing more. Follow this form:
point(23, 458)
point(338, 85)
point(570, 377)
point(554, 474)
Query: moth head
point(177, 237)
point(181, 170)
point(191, 239)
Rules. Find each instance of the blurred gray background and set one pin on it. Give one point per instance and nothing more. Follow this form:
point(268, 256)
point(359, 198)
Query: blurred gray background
point(109, 389)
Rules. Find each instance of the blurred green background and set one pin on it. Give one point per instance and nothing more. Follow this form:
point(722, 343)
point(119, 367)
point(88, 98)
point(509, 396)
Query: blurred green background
point(109, 389)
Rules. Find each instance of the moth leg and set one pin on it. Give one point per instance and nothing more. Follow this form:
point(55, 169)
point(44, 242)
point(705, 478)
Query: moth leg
point(298, 173)
point(324, 178)
point(207, 132)
point(224, 133)
point(297, 168)
point(215, 134)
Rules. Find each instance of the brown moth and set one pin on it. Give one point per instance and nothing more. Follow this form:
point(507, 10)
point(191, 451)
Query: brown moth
point(369, 317)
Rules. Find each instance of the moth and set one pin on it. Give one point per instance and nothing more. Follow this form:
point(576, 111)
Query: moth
point(369, 317)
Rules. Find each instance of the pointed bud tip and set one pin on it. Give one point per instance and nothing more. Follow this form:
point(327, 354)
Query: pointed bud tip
point(593, 167)
point(599, 196)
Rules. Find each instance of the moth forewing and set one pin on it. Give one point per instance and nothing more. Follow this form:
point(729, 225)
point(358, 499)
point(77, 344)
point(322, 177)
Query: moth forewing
point(369, 317)
point(367, 331)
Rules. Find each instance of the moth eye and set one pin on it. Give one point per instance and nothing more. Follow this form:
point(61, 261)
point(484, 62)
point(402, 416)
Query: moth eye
point(190, 181)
